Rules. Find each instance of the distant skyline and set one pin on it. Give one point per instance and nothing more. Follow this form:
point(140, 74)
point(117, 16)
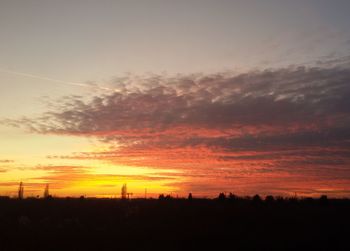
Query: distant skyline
point(175, 96)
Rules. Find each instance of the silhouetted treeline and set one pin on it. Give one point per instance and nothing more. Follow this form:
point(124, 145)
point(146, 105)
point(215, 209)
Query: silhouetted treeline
point(228, 222)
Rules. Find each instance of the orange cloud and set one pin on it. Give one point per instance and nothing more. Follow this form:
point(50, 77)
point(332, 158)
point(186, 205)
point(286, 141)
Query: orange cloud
point(279, 130)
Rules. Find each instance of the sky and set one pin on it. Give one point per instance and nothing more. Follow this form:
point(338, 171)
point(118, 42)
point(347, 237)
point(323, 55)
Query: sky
point(242, 96)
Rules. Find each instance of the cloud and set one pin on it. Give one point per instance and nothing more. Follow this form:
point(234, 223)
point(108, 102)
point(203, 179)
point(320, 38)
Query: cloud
point(277, 121)
point(80, 173)
point(6, 161)
point(260, 101)
point(69, 170)
point(84, 85)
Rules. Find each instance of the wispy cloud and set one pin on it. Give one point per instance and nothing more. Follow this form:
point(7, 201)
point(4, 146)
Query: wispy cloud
point(6, 161)
point(28, 75)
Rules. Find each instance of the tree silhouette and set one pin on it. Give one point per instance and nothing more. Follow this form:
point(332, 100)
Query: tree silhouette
point(21, 191)
point(232, 196)
point(124, 192)
point(190, 196)
point(257, 199)
point(46, 192)
point(222, 196)
point(324, 200)
point(269, 199)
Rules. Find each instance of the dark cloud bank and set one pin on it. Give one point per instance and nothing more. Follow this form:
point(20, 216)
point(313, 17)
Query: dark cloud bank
point(292, 106)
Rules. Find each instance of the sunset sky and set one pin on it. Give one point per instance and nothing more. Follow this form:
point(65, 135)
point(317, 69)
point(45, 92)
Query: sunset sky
point(243, 96)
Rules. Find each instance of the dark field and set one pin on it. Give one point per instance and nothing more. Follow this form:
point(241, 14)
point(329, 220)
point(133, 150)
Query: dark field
point(174, 224)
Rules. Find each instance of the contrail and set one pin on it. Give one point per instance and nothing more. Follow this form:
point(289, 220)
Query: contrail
point(54, 80)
